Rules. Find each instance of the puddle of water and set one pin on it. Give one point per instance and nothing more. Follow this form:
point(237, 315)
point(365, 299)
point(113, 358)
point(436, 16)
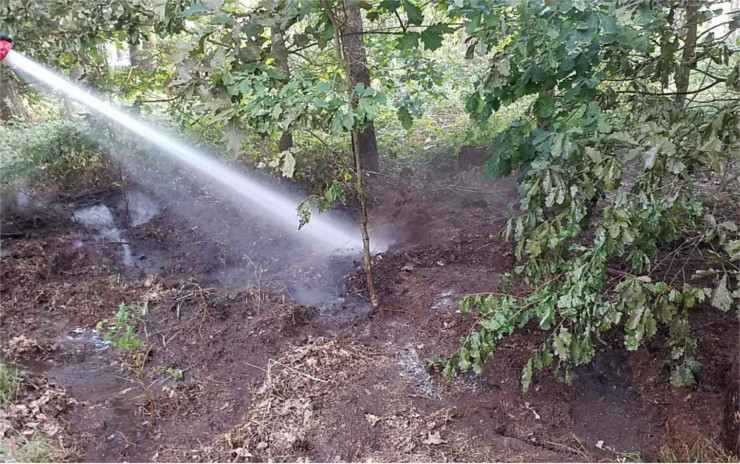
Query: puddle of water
point(606, 407)
point(89, 373)
point(413, 369)
point(87, 336)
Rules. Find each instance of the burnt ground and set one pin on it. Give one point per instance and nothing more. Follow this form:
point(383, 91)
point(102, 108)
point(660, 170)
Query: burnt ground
point(281, 357)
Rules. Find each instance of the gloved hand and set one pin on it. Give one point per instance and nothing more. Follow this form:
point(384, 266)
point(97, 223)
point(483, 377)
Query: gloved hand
point(5, 45)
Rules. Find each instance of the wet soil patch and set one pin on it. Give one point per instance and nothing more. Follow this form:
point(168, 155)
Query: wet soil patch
point(282, 358)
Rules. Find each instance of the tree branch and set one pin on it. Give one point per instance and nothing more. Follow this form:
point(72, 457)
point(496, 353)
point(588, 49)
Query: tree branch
point(688, 92)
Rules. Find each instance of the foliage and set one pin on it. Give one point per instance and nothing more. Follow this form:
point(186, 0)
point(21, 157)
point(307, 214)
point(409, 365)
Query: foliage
point(70, 33)
point(228, 63)
point(10, 383)
point(16, 447)
point(34, 448)
point(701, 451)
point(599, 73)
point(52, 151)
point(119, 332)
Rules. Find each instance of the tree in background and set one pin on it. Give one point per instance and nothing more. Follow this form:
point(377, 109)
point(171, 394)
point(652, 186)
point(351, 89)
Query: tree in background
point(280, 52)
point(346, 20)
point(11, 103)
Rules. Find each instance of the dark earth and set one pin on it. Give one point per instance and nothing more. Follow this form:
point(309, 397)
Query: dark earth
point(282, 358)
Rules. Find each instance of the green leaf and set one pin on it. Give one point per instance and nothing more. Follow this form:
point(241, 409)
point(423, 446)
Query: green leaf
point(304, 213)
point(288, 165)
point(732, 247)
point(404, 115)
point(222, 19)
point(721, 297)
point(504, 68)
point(408, 41)
point(432, 36)
point(561, 344)
point(389, 5)
point(414, 13)
point(234, 136)
point(650, 156)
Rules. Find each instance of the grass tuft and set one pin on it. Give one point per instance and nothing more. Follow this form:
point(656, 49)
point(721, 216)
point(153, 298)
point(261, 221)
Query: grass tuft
point(10, 384)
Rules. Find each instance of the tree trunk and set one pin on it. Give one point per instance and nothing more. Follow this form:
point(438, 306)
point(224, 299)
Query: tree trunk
point(141, 53)
point(353, 47)
point(281, 61)
point(11, 103)
point(689, 51)
point(349, 22)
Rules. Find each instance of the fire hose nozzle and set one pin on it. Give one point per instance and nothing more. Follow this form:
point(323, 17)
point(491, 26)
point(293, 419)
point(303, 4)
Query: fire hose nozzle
point(6, 43)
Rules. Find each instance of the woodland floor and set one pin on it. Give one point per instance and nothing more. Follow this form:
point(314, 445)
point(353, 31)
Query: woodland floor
point(282, 358)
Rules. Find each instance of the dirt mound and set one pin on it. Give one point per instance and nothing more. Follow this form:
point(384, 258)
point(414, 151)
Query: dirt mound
point(285, 419)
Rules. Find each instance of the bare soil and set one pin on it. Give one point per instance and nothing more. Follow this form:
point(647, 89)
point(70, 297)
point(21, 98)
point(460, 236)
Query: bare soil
point(282, 358)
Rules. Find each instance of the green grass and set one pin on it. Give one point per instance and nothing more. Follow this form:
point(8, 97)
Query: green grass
point(16, 447)
point(35, 448)
point(702, 451)
point(10, 384)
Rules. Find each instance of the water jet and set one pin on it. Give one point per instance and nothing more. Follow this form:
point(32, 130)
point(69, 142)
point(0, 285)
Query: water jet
point(323, 233)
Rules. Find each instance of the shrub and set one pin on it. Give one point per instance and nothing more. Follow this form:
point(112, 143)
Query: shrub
point(49, 153)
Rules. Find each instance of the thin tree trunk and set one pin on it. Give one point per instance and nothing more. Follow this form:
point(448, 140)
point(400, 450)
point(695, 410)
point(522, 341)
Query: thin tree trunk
point(357, 140)
point(11, 103)
point(683, 74)
point(363, 225)
point(353, 47)
point(281, 61)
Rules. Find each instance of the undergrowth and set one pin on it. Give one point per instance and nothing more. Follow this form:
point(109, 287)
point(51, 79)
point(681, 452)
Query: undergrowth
point(701, 451)
point(119, 331)
point(54, 152)
point(10, 384)
point(15, 447)
point(33, 448)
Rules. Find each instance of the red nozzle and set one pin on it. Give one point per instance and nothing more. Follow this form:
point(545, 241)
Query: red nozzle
point(6, 43)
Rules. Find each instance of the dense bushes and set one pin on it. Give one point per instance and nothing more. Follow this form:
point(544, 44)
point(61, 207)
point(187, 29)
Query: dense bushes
point(50, 153)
